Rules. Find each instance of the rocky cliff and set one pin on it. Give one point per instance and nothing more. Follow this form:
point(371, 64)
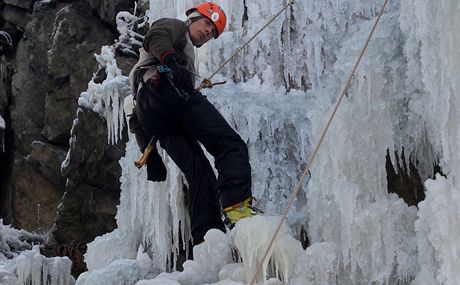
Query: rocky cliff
point(47, 59)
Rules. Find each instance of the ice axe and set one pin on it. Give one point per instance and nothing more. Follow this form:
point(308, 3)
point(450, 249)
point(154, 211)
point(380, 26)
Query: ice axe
point(206, 83)
point(145, 155)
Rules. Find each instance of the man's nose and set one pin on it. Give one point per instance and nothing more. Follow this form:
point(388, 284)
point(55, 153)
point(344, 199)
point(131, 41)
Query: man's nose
point(208, 30)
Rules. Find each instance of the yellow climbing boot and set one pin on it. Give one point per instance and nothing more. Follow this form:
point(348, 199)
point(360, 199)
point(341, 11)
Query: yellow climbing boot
point(239, 211)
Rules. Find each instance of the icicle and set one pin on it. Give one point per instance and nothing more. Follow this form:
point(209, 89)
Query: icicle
point(36, 269)
point(251, 237)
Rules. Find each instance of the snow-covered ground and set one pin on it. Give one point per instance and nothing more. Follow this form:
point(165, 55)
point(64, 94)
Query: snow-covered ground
point(22, 263)
point(404, 95)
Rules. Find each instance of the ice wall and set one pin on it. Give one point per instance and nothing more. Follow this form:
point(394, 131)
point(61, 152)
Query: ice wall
point(404, 95)
point(432, 31)
point(150, 214)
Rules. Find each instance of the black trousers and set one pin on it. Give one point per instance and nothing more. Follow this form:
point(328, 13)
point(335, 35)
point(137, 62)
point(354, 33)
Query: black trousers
point(180, 121)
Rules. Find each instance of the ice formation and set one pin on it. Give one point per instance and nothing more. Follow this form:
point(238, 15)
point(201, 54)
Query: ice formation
point(404, 95)
point(107, 97)
point(21, 261)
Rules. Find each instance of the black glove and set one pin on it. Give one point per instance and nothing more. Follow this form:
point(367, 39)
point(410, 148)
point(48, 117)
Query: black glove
point(156, 170)
point(182, 78)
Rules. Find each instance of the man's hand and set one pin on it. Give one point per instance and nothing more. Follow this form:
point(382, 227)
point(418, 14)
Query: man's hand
point(182, 77)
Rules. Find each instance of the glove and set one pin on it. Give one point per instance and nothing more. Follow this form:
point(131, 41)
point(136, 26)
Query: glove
point(182, 78)
point(156, 170)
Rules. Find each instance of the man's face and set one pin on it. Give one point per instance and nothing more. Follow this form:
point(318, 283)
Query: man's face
point(201, 31)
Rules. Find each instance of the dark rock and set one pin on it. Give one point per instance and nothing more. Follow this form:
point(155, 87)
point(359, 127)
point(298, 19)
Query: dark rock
point(71, 65)
point(29, 84)
point(52, 57)
point(16, 16)
point(100, 76)
point(108, 9)
point(26, 4)
point(54, 63)
point(303, 237)
point(5, 84)
point(403, 180)
point(88, 207)
point(142, 7)
point(48, 159)
point(35, 198)
point(92, 160)
point(85, 213)
point(125, 64)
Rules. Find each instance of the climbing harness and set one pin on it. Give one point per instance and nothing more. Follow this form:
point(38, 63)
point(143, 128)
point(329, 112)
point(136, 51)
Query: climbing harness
point(315, 151)
point(207, 81)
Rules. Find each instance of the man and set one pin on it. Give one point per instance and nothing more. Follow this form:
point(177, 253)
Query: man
point(168, 108)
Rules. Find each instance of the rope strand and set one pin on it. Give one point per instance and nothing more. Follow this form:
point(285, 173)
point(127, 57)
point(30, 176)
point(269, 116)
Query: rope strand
point(316, 149)
point(238, 50)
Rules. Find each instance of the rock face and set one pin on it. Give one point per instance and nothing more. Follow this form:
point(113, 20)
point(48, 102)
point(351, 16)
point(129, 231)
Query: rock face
point(75, 39)
point(47, 61)
point(92, 192)
point(26, 4)
point(108, 9)
point(38, 188)
point(29, 84)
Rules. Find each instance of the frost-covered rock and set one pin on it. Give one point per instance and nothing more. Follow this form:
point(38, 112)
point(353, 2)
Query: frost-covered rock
point(22, 263)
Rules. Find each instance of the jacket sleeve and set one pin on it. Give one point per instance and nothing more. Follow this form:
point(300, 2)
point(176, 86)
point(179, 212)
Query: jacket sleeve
point(163, 36)
point(135, 127)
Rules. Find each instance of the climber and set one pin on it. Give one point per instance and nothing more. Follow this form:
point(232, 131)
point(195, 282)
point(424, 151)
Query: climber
point(168, 108)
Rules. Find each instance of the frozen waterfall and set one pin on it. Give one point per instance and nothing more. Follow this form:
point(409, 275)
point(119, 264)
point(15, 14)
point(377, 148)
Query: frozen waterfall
point(402, 96)
point(405, 95)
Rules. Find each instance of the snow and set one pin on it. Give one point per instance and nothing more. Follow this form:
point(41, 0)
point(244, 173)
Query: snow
point(22, 263)
point(121, 271)
point(438, 223)
point(213, 259)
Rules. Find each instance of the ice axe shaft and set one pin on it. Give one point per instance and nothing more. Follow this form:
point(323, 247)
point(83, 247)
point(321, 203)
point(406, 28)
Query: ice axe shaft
point(208, 84)
point(145, 155)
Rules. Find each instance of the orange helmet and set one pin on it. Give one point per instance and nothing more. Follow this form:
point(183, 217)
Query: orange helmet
point(213, 12)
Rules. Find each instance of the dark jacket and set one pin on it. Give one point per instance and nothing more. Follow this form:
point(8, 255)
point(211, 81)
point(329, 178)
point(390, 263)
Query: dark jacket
point(165, 35)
